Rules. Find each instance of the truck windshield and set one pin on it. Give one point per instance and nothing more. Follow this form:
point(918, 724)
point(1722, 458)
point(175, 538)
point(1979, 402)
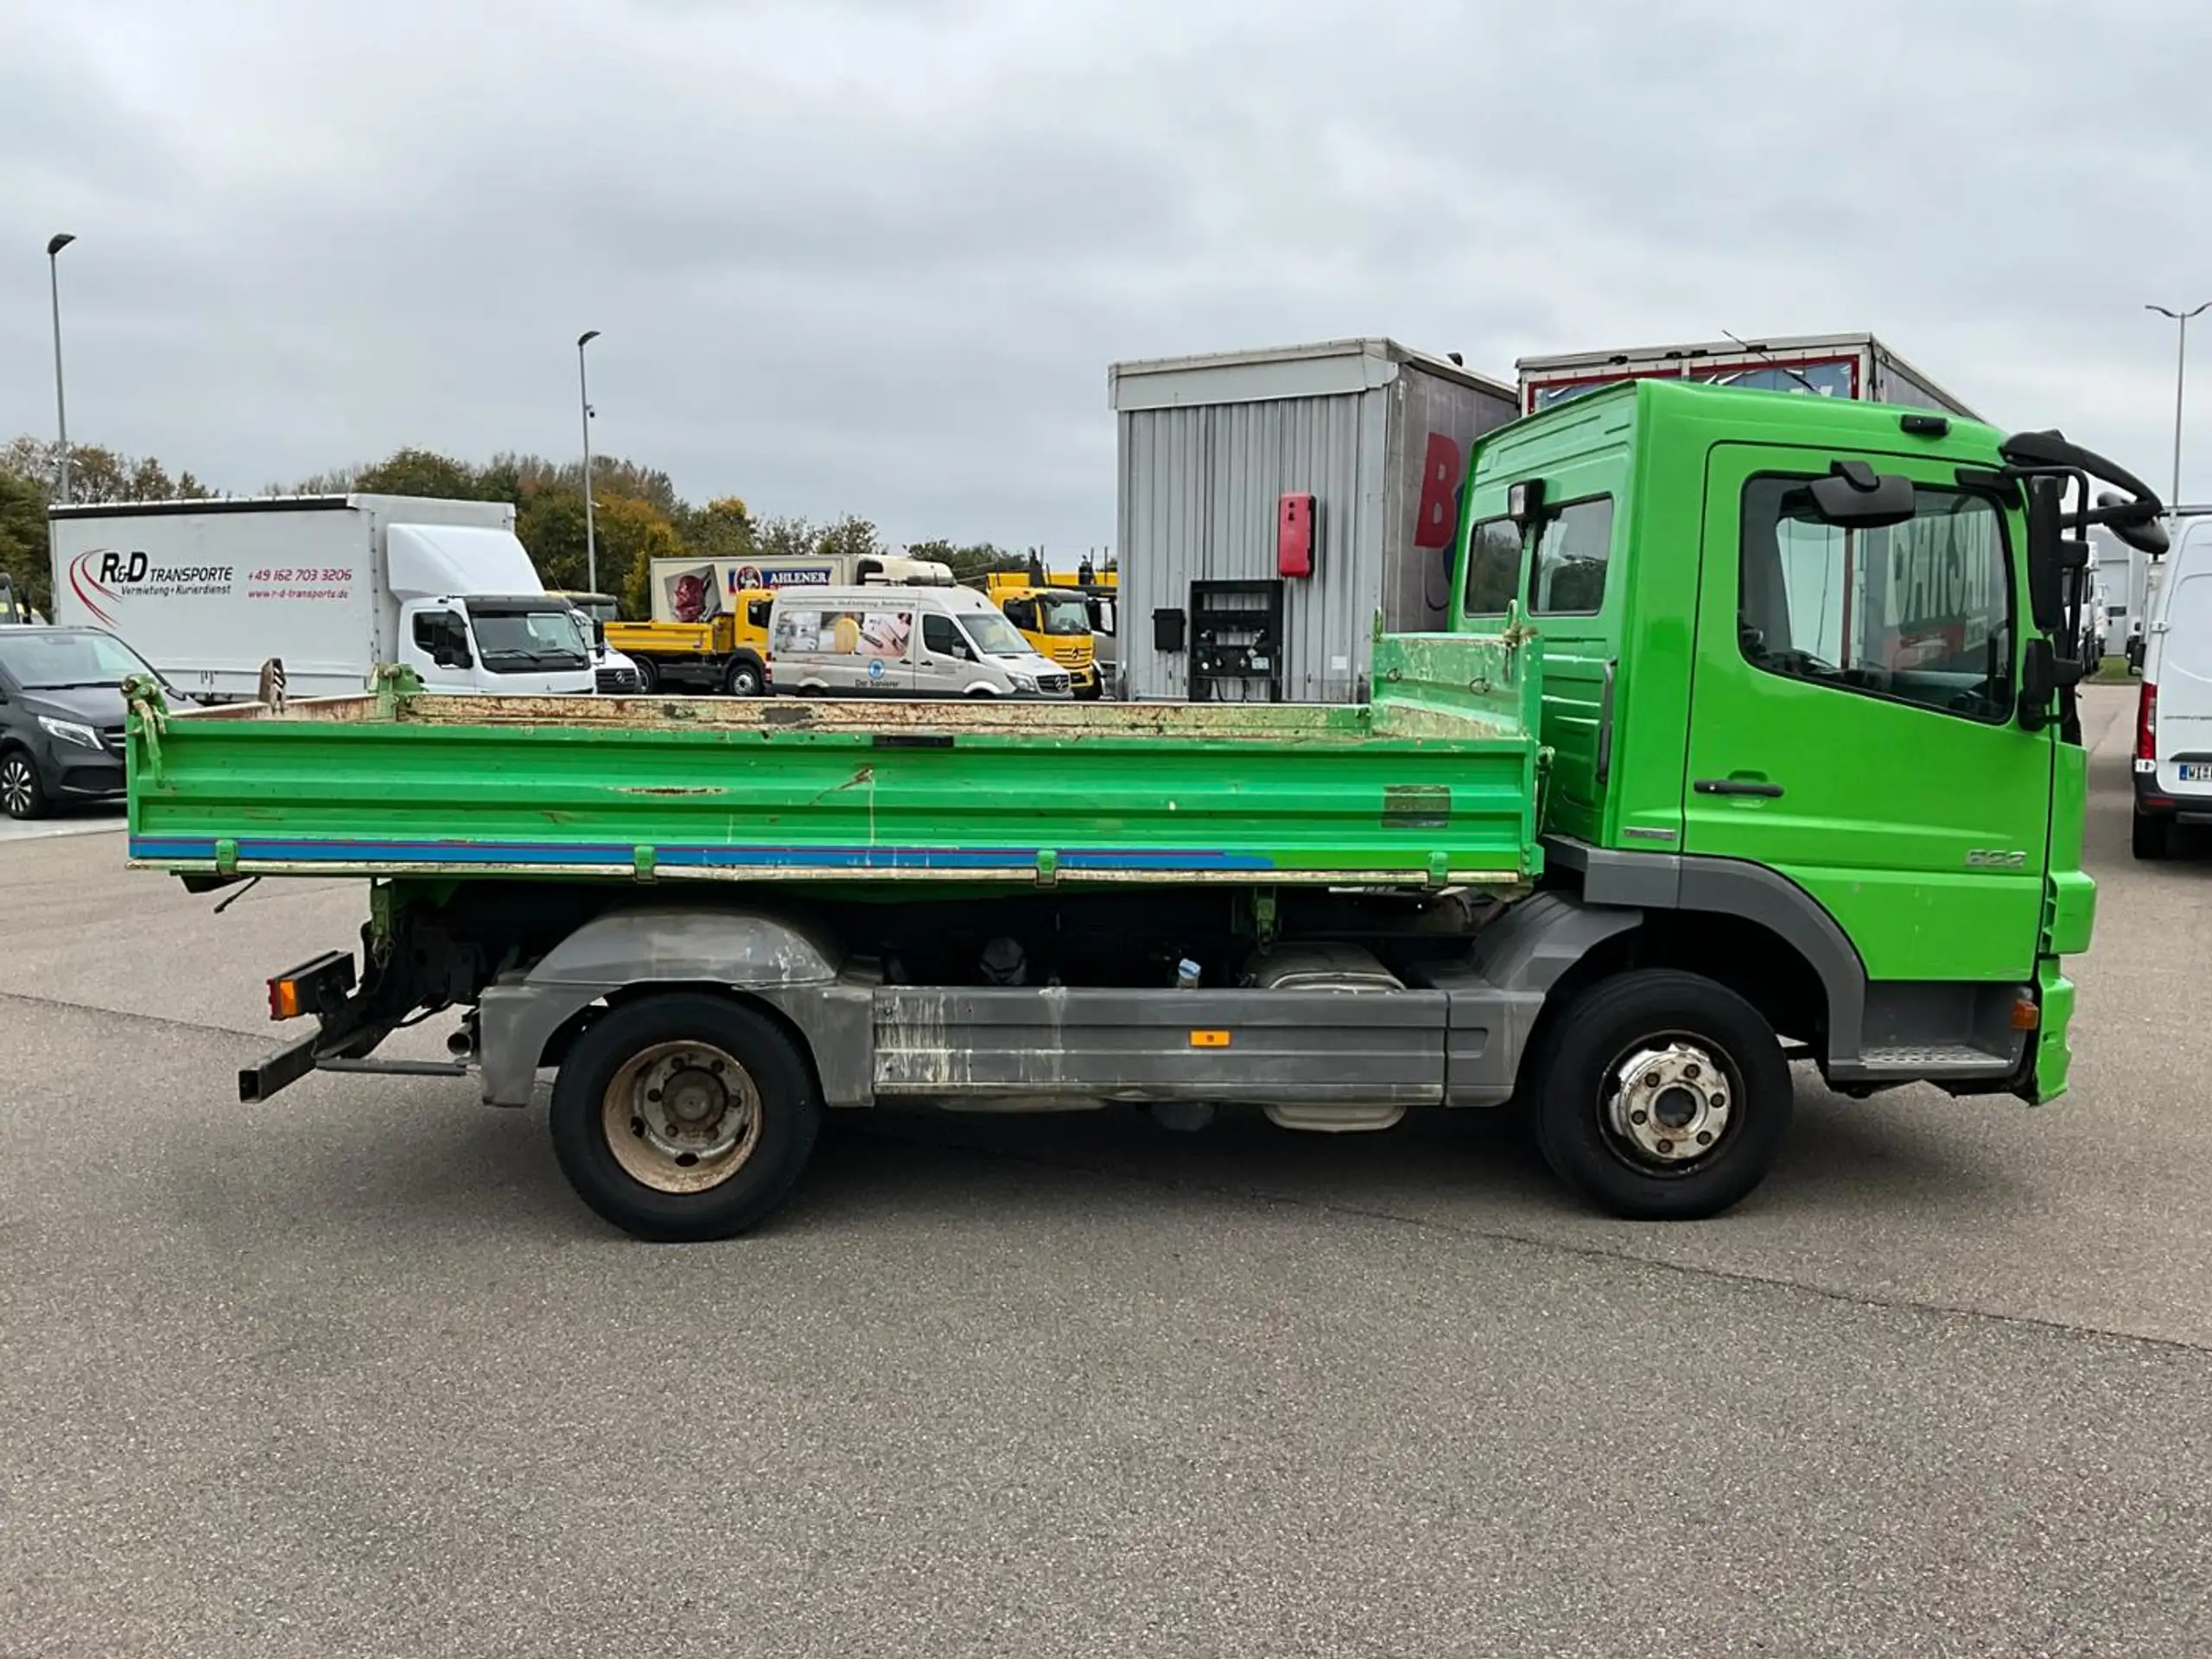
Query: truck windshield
point(994, 636)
point(1067, 615)
point(48, 662)
point(516, 641)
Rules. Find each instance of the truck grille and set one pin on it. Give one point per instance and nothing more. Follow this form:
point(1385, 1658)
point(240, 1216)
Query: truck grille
point(617, 682)
point(1052, 685)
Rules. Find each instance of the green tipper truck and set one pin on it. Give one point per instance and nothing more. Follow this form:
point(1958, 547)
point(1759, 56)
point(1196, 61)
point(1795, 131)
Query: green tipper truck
point(1754, 742)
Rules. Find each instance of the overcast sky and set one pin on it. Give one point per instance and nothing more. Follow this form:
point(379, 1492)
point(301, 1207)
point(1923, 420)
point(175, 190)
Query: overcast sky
point(875, 255)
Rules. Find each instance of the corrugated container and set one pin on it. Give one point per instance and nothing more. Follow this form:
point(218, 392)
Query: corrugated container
point(1376, 433)
point(1856, 366)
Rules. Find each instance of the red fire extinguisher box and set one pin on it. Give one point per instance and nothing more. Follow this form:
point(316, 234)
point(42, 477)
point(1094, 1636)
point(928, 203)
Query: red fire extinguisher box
point(1294, 535)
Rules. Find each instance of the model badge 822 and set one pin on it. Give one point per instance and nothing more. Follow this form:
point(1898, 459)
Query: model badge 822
point(1991, 858)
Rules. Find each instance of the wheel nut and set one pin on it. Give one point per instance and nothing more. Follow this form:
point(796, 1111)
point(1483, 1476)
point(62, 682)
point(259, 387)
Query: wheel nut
point(1716, 1098)
point(1651, 1079)
point(1639, 1117)
point(1692, 1071)
point(652, 1094)
point(1705, 1137)
point(1666, 1146)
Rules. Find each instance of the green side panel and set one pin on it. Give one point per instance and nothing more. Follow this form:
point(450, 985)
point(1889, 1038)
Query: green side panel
point(2054, 1055)
point(1433, 783)
point(2072, 892)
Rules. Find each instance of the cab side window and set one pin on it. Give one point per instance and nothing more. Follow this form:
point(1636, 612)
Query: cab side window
point(1918, 613)
point(1574, 545)
point(941, 637)
point(437, 631)
point(1493, 567)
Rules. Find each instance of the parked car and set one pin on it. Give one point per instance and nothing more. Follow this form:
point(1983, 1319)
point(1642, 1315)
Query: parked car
point(61, 717)
point(2173, 723)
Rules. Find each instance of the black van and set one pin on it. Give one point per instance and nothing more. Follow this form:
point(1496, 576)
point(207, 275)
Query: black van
point(61, 717)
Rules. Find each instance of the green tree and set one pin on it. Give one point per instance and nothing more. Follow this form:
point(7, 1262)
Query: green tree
point(787, 538)
point(97, 473)
point(720, 529)
point(24, 542)
point(850, 536)
point(420, 472)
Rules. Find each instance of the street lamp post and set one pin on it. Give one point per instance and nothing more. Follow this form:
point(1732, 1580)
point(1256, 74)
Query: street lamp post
point(2181, 371)
point(53, 246)
point(591, 528)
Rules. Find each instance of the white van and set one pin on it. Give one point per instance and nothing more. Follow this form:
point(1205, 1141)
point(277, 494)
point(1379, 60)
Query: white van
point(2173, 723)
point(902, 642)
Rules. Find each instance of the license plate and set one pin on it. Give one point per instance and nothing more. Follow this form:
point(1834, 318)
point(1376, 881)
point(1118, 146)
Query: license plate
point(2196, 772)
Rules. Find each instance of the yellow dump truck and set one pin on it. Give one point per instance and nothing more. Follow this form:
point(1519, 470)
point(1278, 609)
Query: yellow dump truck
point(728, 652)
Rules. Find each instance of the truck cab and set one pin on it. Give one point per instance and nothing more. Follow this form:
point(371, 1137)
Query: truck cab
point(1840, 738)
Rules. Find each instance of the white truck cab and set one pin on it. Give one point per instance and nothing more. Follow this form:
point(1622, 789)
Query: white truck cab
point(2173, 724)
point(472, 618)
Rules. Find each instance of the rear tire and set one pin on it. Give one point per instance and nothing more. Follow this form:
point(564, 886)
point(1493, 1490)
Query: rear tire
point(684, 1116)
point(21, 791)
point(2153, 837)
point(744, 678)
point(1660, 1096)
point(648, 676)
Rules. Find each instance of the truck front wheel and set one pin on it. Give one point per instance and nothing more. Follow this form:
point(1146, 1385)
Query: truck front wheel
point(1661, 1096)
point(682, 1116)
point(744, 678)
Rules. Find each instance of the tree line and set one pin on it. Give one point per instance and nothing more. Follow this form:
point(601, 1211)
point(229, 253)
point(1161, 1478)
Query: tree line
point(639, 517)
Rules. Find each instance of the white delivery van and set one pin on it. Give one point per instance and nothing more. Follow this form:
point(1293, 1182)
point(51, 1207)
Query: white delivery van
point(329, 585)
point(909, 642)
point(2173, 722)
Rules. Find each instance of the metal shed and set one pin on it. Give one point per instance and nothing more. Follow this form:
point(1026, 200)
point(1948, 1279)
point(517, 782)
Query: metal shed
point(1236, 471)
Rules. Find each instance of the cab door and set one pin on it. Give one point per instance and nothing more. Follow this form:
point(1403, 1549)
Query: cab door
point(943, 656)
point(1854, 722)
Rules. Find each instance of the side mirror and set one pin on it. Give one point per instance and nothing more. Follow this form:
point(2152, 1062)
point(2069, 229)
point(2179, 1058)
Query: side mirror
point(2046, 553)
point(2043, 675)
point(1524, 503)
point(599, 634)
point(1854, 496)
point(2145, 534)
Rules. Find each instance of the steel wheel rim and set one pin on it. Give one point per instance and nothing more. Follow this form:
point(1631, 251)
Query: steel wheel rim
point(1669, 1102)
point(15, 785)
point(681, 1117)
point(744, 681)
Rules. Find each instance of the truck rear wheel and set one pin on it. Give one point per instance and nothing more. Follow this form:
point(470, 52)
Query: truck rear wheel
point(1661, 1096)
point(648, 675)
point(682, 1117)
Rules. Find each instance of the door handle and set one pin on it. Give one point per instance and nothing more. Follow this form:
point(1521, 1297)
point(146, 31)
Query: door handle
point(1606, 724)
point(1738, 786)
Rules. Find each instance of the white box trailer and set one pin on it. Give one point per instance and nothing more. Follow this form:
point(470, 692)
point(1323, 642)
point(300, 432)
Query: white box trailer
point(1855, 366)
point(1271, 502)
point(330, 585)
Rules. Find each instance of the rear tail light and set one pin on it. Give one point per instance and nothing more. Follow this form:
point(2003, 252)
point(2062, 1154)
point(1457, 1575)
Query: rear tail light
point(2146, 724)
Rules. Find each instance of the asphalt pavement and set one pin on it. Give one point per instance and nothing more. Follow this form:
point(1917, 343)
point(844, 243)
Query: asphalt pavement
point(352, 1372)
